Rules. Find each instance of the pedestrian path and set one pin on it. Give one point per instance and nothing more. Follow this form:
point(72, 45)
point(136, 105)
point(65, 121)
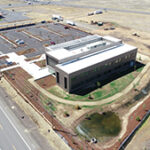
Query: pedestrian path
point(29, 66)
point(144, 72)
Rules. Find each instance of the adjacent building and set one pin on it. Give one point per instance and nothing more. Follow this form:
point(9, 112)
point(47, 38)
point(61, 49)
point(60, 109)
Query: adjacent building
point(84, 61)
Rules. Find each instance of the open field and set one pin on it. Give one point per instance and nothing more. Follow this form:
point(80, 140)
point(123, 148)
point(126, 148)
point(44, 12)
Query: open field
point(115, 11)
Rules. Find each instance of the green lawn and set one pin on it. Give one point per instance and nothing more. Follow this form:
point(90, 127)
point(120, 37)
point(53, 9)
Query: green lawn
point(47, 103)
point(104, 92)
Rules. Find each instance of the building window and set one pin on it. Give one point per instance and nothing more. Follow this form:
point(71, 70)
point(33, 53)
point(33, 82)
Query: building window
point(116, 61)
point(119, 59)
point(57, 77)
point(65, 82)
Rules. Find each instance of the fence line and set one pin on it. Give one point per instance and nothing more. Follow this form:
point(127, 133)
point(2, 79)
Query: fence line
point(130, 136)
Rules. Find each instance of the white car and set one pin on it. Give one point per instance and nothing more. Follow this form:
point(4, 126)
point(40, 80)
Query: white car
point(19, 41)
point(57, 17)
point(71, 23)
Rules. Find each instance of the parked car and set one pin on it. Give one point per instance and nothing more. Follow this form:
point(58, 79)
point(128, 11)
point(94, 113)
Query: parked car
point(98, 12)
point(19, 41)
point(92, 13)
point(71, 23)
point(43, 21)
point(100, 23)
point(112, 28)
point(9, 63)
point(29, 3)
point(66, 27)
point(52, 43)
point(57, 17)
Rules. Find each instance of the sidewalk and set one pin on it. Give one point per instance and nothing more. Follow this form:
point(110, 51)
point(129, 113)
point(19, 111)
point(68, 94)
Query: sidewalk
point(28, 66)
point(104, 101)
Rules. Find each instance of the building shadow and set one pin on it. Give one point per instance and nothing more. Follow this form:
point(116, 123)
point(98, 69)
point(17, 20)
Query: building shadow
point(92, 85)
point(1, 16)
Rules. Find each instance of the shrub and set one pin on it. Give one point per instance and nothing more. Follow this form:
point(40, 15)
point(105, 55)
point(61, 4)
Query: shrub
point(138, 118)
point(66, 114)
point(77, 107)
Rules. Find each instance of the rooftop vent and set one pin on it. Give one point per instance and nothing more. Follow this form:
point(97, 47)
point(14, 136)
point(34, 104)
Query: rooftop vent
point(97, 44)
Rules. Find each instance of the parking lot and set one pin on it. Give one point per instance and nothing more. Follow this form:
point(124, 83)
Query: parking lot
point(36, 37)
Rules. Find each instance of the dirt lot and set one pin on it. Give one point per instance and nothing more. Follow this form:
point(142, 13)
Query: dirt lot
point(47, 82)
point(69, 10)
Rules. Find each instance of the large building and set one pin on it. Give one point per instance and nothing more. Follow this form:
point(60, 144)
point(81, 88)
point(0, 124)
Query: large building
point(89, 59)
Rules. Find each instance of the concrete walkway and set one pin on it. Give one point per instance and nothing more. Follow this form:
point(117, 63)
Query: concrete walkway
point(90, 103)
point(28, 66)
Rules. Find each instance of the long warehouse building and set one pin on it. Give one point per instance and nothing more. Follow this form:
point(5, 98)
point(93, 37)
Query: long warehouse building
point(89, 59)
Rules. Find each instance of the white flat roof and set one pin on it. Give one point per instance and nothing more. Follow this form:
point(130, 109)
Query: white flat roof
point(75, 47)
point(60, 54)
point(84, 62)
point(110, 38)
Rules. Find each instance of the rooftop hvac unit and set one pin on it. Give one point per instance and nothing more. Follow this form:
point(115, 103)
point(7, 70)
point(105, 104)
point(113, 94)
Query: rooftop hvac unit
point(95, 45)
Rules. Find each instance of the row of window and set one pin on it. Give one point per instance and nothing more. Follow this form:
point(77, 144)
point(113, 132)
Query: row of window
point(65, 80)
point(103, 75)
point(118, 60)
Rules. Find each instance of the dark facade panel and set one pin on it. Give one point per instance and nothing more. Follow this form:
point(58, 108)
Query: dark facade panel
point(57, 77)
point(51, 61)
point(101, 71)
point(97, 72)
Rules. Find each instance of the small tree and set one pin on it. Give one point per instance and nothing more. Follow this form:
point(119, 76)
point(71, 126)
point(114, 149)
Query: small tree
point(144, 106)
point(77, 107)
point(119, 140)
point(98, 84)
point(90, 96)
point(138, 118)
point(134, 67)
point(66, 114)
point(140, 58)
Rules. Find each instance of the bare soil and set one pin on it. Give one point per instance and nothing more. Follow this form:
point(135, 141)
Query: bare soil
point(23, 52)
point(41, 63)
point(46, 82)
point(33, 58)
point(5, 66)
point(4, 57)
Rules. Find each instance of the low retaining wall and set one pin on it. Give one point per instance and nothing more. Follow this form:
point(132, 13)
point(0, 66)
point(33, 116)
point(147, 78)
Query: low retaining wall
point(17, 26)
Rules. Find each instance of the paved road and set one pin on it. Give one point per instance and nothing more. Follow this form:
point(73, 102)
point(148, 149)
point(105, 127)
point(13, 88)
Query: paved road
point(10, 138)
point(64, 3)
point(17, 133)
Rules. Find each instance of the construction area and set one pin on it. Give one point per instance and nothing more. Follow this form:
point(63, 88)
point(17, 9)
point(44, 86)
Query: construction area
point(124, 98)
